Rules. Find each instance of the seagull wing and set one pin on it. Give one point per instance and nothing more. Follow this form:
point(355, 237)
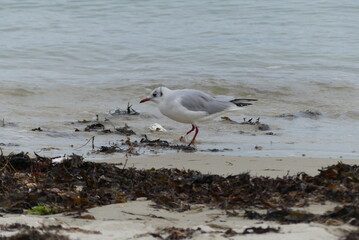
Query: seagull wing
point(195, 100)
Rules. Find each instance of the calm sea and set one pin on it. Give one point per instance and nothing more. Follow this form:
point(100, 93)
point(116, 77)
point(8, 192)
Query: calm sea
point(63, 61)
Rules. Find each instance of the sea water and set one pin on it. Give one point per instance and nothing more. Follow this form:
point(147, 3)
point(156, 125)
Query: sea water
point(64, 61)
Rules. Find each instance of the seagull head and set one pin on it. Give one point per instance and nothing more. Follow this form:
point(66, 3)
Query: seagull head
point(156, 95)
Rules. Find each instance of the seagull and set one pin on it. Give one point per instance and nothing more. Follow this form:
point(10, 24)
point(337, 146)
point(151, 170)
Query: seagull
point(193, 106)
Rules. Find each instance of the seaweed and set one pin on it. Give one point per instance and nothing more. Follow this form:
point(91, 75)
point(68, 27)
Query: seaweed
point(258, 125)
point(174, 233)
point(129, 111)
point(41, 210)
point(260, 230)
point(126, 130)
point(94, 127)
point(353, 235)
point(75, 185)
point(111, 149)
point(158, 143)
point(284, 216)
point(50, 232)
point(312, 114)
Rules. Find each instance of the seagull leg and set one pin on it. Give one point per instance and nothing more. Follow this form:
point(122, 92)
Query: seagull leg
point(195, 135)
point(182, 138)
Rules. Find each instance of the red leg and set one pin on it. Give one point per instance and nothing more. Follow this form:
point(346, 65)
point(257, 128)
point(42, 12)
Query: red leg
point(182, 138)
point(193, 127)
point(194, 137)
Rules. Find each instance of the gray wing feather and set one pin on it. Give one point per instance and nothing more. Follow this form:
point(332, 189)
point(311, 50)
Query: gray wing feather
point(199, 101)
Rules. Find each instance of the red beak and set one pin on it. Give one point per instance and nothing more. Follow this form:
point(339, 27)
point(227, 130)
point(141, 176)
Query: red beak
point(145, 100)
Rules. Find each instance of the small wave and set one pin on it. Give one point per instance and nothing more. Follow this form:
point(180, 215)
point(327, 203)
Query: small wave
point(16, 92)
point(353, 115)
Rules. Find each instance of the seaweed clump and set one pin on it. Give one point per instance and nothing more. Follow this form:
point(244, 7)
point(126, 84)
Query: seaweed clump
point(75, 185)
point(50, 232)
point(158, 143)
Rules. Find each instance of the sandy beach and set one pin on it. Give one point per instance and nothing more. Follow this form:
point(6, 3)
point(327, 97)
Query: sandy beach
point(81, 152)
point(231, 165)
point(140, 219)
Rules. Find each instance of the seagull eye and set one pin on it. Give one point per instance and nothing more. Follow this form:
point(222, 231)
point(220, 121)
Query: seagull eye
point(155, 94)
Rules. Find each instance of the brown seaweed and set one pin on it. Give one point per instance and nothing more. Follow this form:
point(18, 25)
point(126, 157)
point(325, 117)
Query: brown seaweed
point(126, 130)
point(128, 111)
point(94, 127)
point(75, 185)
point(158, 143)
point(50, 232)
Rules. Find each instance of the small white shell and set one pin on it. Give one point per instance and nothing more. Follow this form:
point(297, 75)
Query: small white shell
point(58, 160)
point(157, 128)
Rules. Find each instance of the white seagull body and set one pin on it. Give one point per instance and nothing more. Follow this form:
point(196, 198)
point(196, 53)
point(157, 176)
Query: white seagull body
point(192, 106)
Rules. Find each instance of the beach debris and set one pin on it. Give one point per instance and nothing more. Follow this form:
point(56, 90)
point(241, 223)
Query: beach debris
point(42, 232)
point(271, 133)
point(250, 121)
point(75, 185)
point(154, 143)
point(312, 114)
point(38, 129)
point(288, 116)
point(260, 230)
point(187, 233)
point(172, 233)
point(263, 127)
point(156, 127)
point(283, 216)
point(126, 130)
point(57, 160)
point(94, 127)
point(33, 233)
point(114, 148)
point(217, 150)
point(87, 217)
point(353, 235)
point(101, 128)
point(128, 111)
point(347, 214)
point(259, 126)
point(41, 210)
point(165, 144)
point(8, 124)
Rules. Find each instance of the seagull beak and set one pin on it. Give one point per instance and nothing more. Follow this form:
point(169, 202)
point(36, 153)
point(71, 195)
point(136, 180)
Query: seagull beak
point(145, 100)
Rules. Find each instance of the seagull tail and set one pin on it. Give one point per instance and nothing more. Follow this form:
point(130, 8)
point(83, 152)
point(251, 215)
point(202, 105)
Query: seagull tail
point(242, 102)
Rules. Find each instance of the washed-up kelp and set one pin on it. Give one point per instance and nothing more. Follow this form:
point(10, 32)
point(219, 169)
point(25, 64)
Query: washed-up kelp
point(259, 126)
point(158, 143)
point(128, 111)
point(100, 127)
point(74, 184)
point(50, 232)
point(131, 147)
point(174, 233)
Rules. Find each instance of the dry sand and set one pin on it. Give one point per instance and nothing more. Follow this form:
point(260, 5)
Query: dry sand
point(135, 220)
point(227, 165)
